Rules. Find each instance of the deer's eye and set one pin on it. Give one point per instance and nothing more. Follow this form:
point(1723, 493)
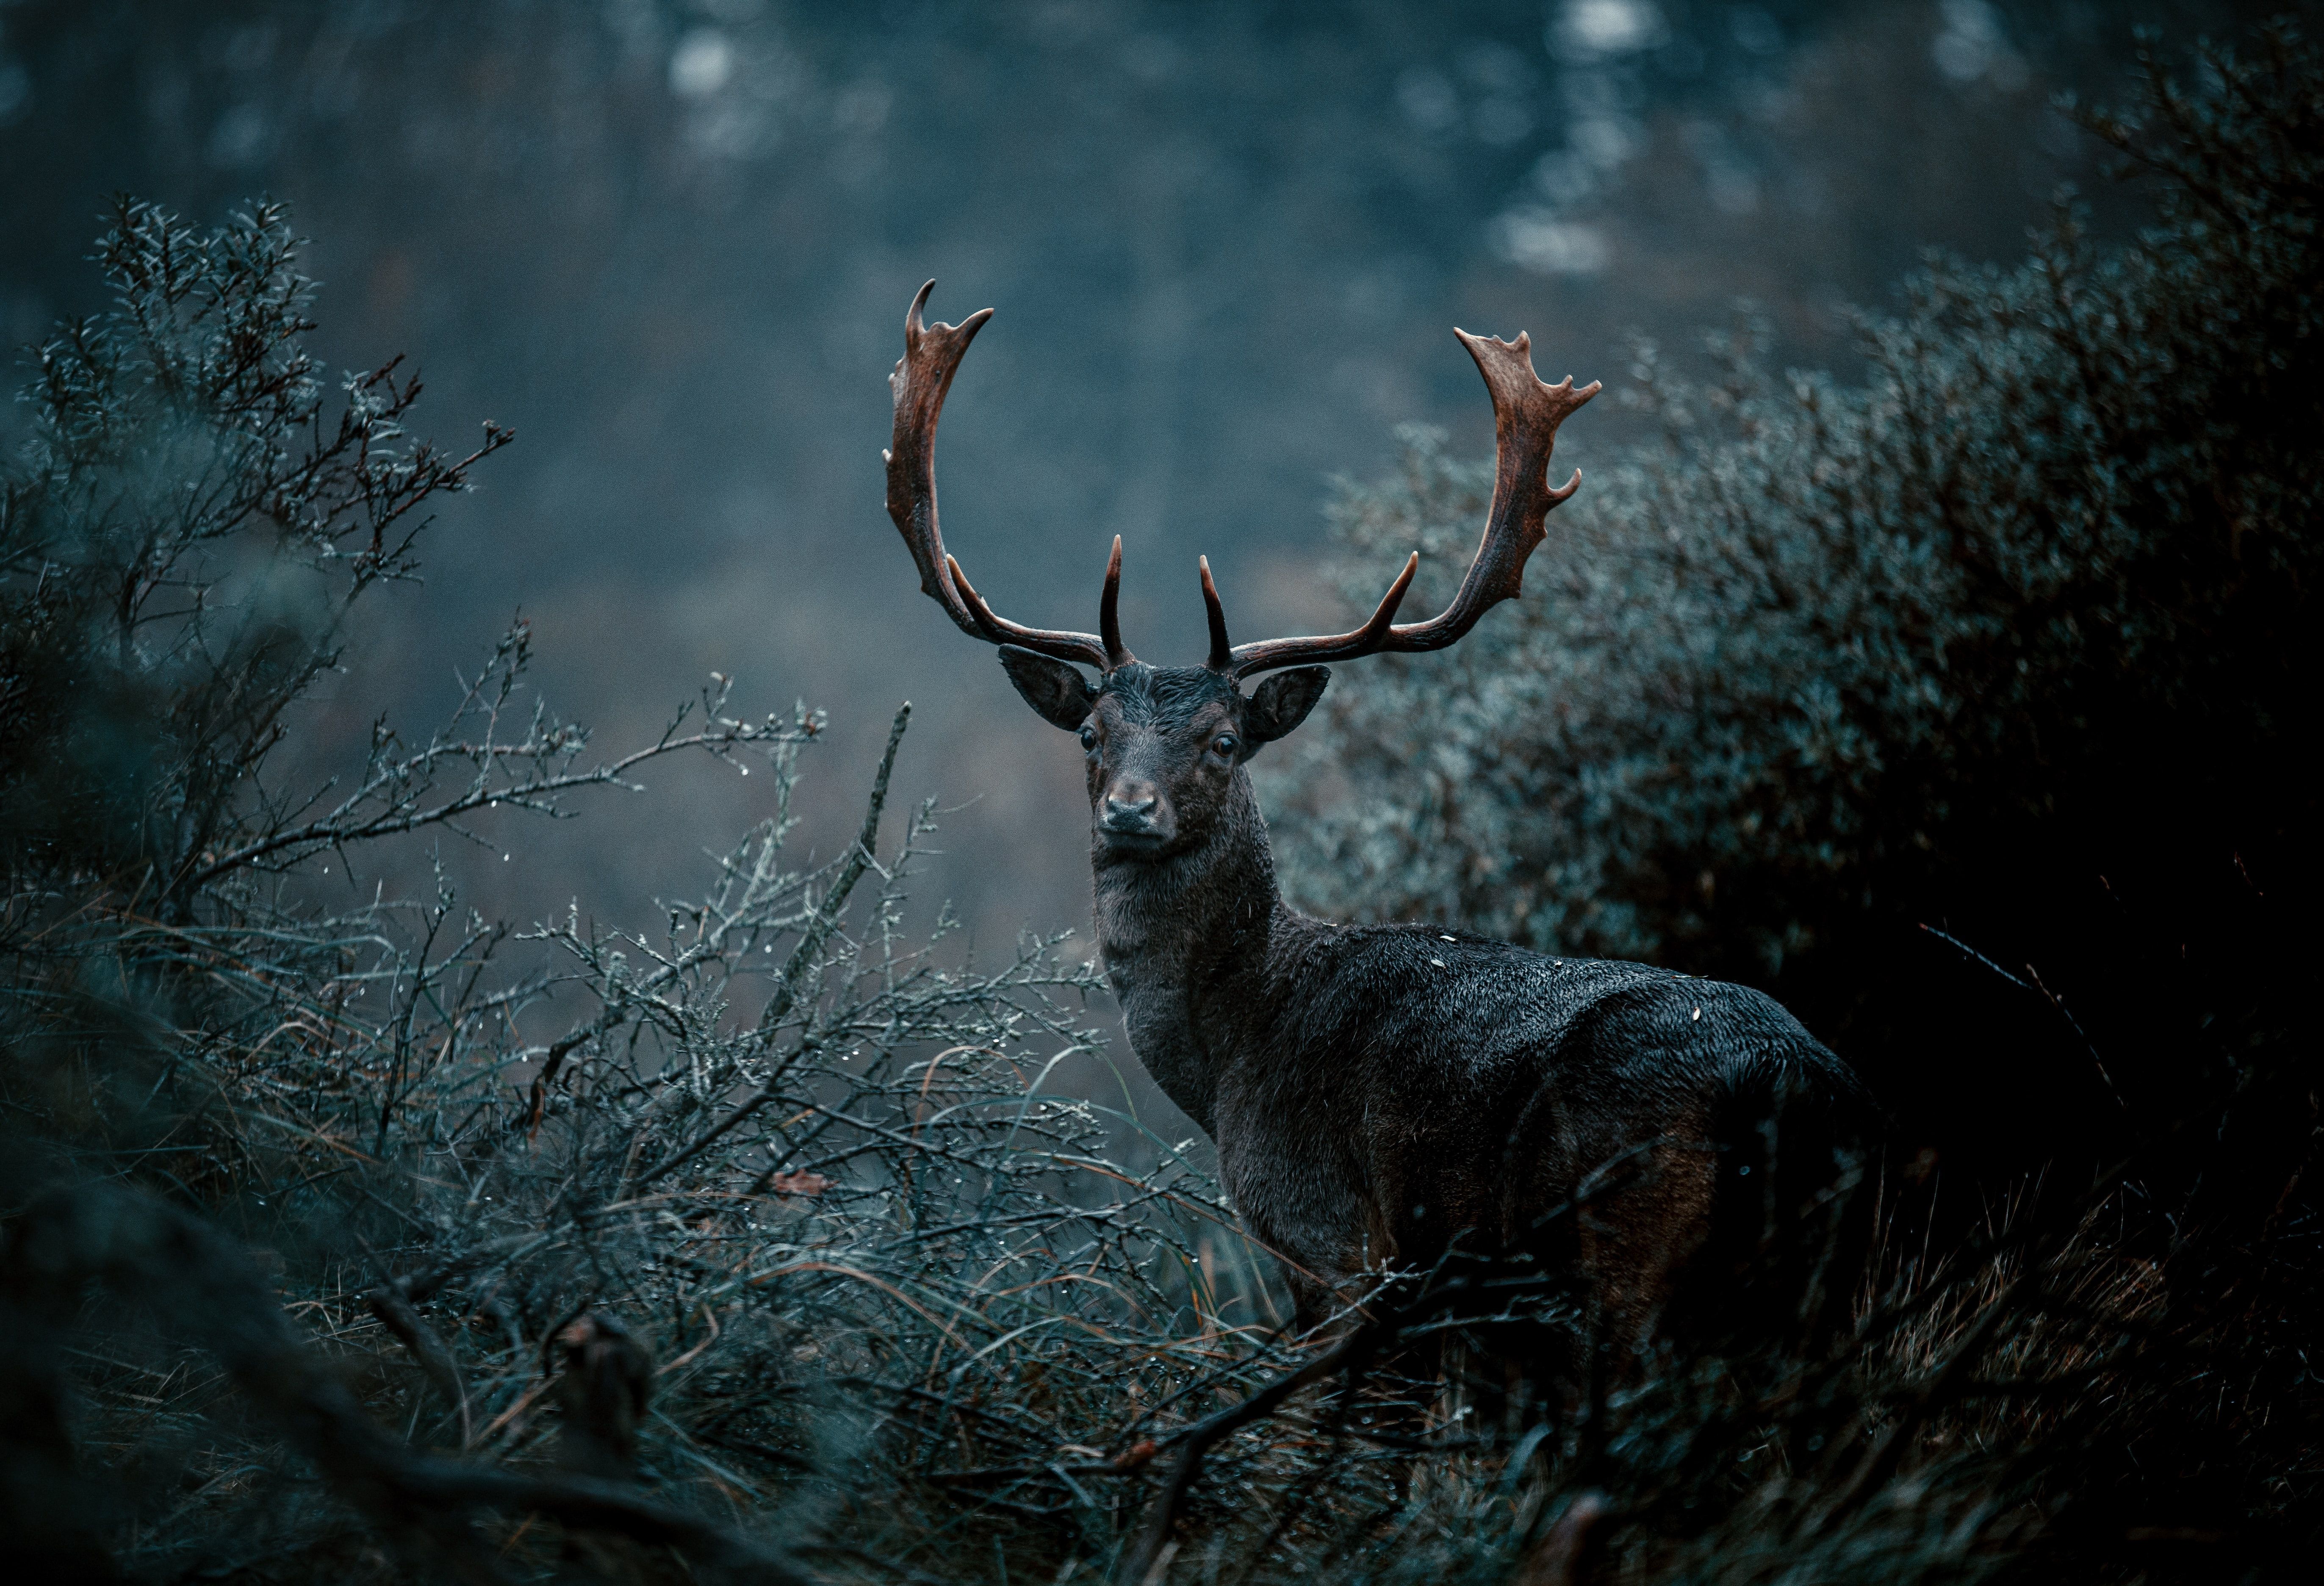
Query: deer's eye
point(1224, 744)
point(1089, 737)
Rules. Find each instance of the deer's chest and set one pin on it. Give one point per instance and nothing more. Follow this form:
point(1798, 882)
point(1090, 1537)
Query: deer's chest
point(1160, 1022)
point(1298, 1176)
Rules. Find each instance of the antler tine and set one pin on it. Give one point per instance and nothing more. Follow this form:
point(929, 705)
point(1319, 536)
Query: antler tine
point(1109, 612)
point(1267, 655)
point(923, 375)
point(1222, 657)
point(1527, 412)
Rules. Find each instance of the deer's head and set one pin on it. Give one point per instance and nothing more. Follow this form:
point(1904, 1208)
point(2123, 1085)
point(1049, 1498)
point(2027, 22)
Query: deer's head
point(1165, 744)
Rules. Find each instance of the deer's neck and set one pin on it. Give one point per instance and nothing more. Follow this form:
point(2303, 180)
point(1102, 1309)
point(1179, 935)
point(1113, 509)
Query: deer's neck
point(1186, 942)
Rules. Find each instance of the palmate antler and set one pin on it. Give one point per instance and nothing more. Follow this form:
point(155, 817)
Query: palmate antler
point(1526, 413)
point(923, 374)
point(1526, 416)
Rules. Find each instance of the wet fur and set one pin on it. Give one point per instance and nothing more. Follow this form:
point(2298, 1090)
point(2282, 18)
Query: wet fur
point(1377, 1091)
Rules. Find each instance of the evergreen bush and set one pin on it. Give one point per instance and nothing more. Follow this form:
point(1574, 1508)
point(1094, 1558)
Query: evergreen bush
point(2015, 632)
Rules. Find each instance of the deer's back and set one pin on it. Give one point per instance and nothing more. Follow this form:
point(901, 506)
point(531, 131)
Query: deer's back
point(1413, 1083)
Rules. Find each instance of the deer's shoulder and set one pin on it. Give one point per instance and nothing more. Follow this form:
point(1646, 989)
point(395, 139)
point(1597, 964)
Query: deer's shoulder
point(1443, 996)
point(1407, 981)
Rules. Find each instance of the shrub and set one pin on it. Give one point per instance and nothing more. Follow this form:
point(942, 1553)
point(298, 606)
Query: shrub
point(785, 1206)
point(182, 540)
point(2012, 638)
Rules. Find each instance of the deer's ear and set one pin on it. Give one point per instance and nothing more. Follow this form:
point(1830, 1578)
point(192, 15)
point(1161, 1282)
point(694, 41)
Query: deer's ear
point(1056, 689)
point(1283, 702)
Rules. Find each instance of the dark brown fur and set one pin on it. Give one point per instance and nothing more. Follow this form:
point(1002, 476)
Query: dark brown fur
point(1377, 1091)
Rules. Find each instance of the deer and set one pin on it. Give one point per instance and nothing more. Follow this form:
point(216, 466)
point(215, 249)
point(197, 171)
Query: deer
point(1379, 1094)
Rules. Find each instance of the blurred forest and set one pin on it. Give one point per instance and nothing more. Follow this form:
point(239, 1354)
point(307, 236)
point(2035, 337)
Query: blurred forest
point(669, 244)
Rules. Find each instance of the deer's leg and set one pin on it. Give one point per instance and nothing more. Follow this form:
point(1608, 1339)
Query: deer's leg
point(1637, 1239)
point(1312, 1304)
point(1314, 1221)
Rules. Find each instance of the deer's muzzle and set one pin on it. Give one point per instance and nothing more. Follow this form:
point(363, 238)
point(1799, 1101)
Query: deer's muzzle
point(1134, 818)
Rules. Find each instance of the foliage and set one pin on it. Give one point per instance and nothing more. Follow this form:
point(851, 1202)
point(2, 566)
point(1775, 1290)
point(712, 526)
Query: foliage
point(172, 543)
point(2012, 633)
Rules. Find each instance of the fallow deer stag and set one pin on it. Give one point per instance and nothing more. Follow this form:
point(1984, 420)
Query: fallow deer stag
point(1376, 1092)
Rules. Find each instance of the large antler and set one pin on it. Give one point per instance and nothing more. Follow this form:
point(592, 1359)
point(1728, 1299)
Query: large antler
point(1526, 416)
point(923, 375)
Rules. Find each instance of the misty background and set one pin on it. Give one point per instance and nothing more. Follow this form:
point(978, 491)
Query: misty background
point(670, 244)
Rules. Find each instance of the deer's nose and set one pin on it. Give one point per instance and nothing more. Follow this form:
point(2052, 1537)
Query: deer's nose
point(1131, 806)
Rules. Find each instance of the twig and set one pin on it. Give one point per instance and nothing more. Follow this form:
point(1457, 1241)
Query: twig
point(391, 1304)
point(804, 953)
point(1139, 1564)
point(210, 1288)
